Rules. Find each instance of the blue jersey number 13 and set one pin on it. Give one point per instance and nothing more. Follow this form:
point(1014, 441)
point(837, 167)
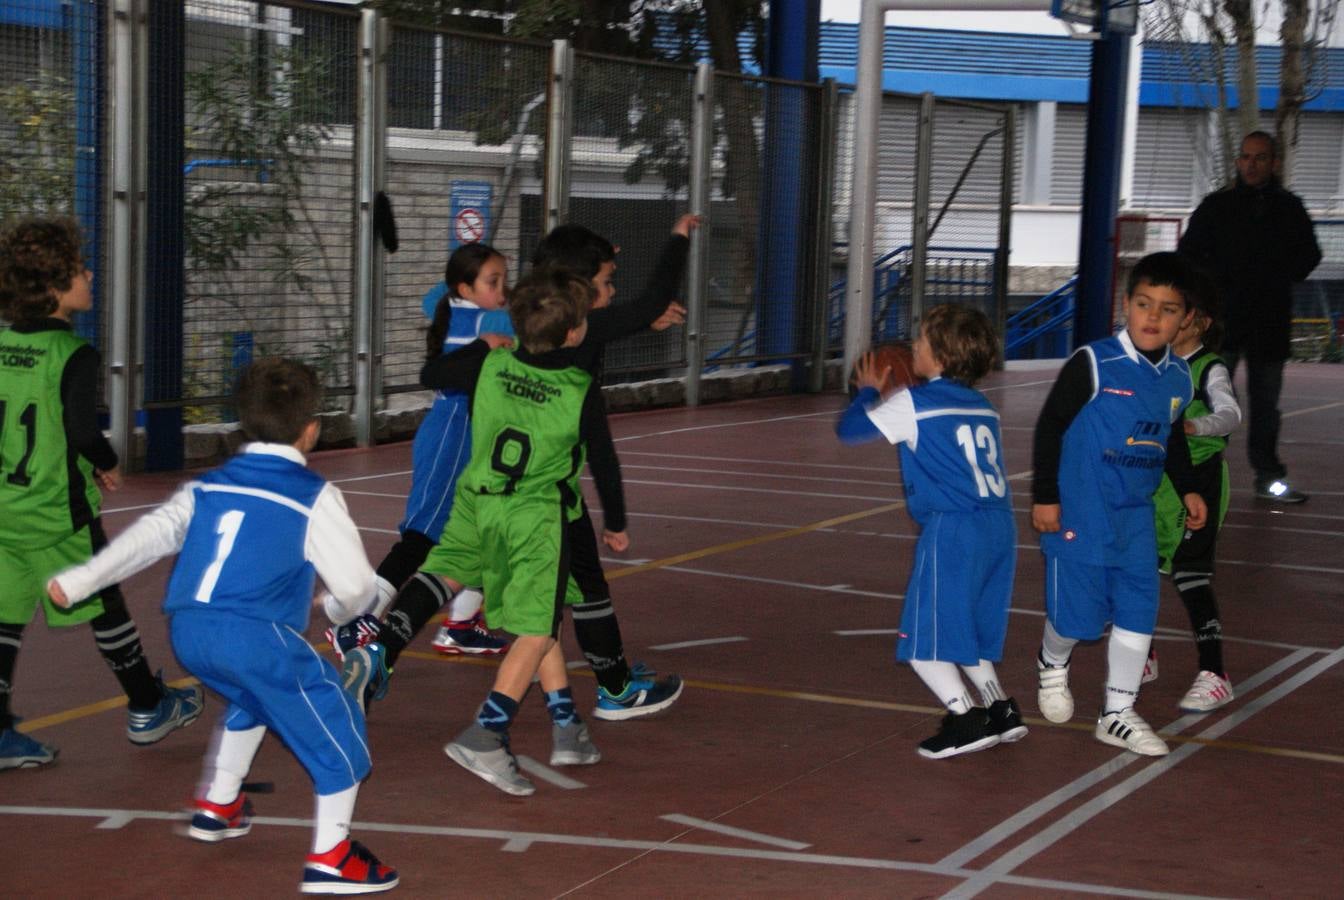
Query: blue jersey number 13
point(987, 483)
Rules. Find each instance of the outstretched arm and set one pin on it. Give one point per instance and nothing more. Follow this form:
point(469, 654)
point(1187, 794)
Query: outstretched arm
point(457, 371)
point(334, 548)
point(603, 463)
point(624, 319)
point(153, 536)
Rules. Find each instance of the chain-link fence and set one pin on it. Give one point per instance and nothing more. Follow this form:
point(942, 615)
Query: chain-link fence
point(234, 217)
point(1318, 302)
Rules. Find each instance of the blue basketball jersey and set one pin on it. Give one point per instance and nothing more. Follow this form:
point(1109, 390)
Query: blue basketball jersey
point(1114, 452)
point(244, 549)
point(442, 443)
point(955, 463)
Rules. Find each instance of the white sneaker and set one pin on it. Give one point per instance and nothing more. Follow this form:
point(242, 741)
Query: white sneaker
point(1053, 697)
point(1127, 729)
point(1150, 667)
point(1209, 692)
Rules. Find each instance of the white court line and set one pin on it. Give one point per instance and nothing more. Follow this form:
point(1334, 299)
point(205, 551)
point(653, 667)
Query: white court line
point(512, 840)
point(705, 825)
point(1311, 409)
point(1099, 804)
point(547, 774)
point(737, 424)
point(1047, 804)
point(702, 643)
point(784, 582)
point(703, 471)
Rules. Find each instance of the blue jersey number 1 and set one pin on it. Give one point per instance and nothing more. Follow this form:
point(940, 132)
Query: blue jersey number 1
point(227, 529)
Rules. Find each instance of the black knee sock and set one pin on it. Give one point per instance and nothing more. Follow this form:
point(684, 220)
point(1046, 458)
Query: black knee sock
point(119, 643)
point(1196, 593)
point(418, 602)
point(599, 637)
point(404, 559)
point(11, 638)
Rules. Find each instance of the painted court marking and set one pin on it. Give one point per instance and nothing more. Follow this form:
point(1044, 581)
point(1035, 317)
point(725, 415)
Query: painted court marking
point(705, 825)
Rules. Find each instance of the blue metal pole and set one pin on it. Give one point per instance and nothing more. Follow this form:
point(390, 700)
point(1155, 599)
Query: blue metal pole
point(782, 279)
point(1101, 186)
point(165, 251)
point(87, 60)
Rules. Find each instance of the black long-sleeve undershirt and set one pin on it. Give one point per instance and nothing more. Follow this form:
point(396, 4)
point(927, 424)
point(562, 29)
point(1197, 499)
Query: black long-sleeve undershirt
point(1072, 390)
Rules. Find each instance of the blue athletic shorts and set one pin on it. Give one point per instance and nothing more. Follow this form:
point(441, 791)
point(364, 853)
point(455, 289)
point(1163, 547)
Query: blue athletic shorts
point(956, 604)
point(271, 676)
point(1081, 598)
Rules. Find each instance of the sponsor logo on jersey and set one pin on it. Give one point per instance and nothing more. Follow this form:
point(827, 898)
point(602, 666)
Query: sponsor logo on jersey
point(1070, 535)
point(527, 387)
point(1175, 408)
point(21, 356)
point(1121, 392)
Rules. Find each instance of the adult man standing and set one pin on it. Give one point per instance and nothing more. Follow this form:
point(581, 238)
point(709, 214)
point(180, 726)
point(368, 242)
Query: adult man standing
point(1255, 239)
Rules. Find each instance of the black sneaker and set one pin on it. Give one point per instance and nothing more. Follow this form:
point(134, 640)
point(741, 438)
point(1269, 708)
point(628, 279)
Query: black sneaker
point(1277, 490)
point(963, 733)
point(1005, 720)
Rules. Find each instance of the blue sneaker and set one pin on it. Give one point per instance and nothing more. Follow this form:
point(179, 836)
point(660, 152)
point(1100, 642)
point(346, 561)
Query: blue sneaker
point(178, 708)
point(19, 751)
point(641, 697)
point(364, 674)
point(347, 868)
point(361, 631)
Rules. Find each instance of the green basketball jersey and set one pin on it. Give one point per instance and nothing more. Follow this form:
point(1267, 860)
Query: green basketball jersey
point(42, 479)
point(1202, 446)
point(525, 430)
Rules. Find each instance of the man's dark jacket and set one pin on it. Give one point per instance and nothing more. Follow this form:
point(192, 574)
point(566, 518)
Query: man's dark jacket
point(1255, 242)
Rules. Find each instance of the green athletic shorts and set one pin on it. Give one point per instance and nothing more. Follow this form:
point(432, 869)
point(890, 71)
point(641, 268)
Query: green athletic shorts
point(514, 548)
point(24, 573)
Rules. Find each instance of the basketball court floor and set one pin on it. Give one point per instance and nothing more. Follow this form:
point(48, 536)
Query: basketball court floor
point(766, 567)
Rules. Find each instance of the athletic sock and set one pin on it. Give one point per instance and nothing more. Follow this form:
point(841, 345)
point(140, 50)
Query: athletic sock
point(560, 704)
point(419, 601)
point(405, 558)
point(234, 752)
point(986, 681)
point(466, 604)
point(599, 637)
point(119, 642)
point(1196, 593)
point(944, 679)
point(11, 638)
point(331, 818)
point(1126, 653)
point(497, 712)
point(1055, 648)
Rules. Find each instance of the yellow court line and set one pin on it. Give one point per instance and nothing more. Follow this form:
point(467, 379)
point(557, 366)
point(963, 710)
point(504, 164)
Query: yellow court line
point(79, 712)
point(753, 541)
point(812, 697)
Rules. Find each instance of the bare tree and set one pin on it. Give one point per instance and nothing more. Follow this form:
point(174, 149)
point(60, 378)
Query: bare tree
point(1224, 26)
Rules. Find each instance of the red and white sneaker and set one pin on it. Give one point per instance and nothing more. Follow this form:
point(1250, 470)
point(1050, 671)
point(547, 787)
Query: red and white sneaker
point(1209, 692)
point(1150, 667)
point(347, 868)
point(468, 638)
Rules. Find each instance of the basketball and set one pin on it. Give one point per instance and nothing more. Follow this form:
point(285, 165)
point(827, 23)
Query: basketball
point(898, 360)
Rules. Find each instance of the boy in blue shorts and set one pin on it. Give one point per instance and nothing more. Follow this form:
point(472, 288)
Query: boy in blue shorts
point(54, 459)
point(956, 604)
point(250, 536)
point(1113, 422)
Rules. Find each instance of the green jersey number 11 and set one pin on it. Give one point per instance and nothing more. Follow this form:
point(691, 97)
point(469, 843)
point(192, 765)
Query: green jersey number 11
point(28, 422)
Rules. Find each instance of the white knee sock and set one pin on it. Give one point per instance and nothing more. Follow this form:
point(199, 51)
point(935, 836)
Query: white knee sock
point(1055, 648)
point(332, 818)
point(944, 680)
point(232, 759)
point(986, 681)
point(1126, 652)
point(466, 604)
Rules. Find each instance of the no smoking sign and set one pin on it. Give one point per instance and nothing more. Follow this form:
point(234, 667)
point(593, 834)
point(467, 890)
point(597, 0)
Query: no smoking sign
point(469, 212)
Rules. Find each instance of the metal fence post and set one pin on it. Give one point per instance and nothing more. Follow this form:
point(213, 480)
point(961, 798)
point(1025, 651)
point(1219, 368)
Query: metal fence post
point(697, 272)
point(1005, 229)
point(124, 272)
point(370, 126)
point(827, 134)
point(559, 132)
point(919, 242)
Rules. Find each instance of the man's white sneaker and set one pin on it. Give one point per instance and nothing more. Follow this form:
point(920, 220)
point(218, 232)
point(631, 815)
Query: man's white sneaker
point(1127, 729)
point(1209, 692)
point(1053, 697)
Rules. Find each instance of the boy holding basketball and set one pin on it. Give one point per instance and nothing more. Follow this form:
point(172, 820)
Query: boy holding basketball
point(956, 603)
